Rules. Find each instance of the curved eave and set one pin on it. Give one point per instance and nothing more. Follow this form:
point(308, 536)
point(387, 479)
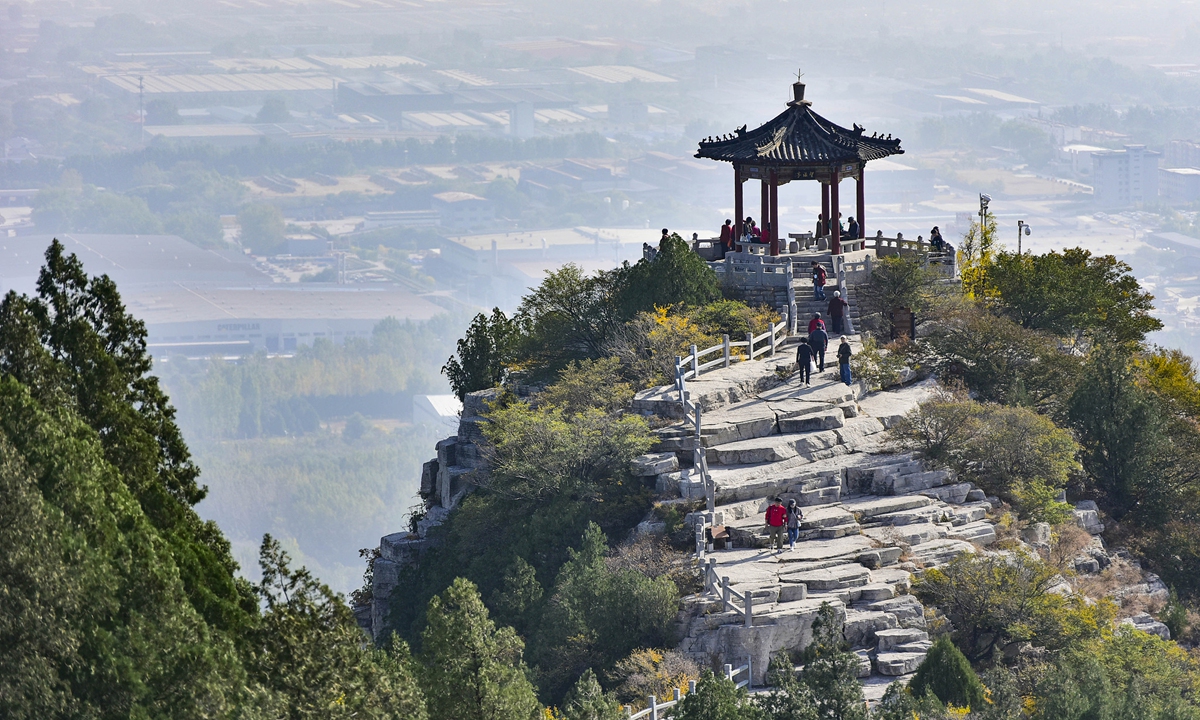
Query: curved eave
point(799, 138)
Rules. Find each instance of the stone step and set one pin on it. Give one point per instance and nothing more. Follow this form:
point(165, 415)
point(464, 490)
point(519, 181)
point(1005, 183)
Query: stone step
point(889, 640)
point(939, 552)
point(862, 625)
point(914, 482)
point(840, 577)
point(921, 515)
point(907, 534)
point(908, 611)
point(894, 664)
point(921, 646)
point(980, 533)
point(963, 514)
point(864, 664)
point(868, 508)
point(874, 592)
point(956, 493)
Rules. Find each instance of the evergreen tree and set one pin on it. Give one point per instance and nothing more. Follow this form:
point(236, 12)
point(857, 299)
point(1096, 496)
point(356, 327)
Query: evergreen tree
point(74, 343)
point(586, 700)
point(483, 354)
point(716, 698)
point(676, 275)
point(946, 673)
point(831, 671)
point(471, 668)
point(309, 651)
point(787, 699)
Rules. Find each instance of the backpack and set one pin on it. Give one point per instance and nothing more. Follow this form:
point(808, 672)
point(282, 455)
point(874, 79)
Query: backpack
point(821, 275)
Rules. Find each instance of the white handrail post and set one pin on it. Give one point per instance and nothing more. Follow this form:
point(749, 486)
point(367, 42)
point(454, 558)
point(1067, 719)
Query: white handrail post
point(653, 703)
point(749, 608)
point(678, 695)
point(725, 342)
point(695, 363)
point(728, 672)
point(628, 710)
point(725, 602)
point(700, 541)
point(697, 422)
point(749, 671)
point(691, 686)
point(749, 346)
point(679, 376)
point(772, 339)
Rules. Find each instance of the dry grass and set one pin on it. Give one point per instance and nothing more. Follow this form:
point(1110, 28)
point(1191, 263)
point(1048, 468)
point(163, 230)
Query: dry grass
point(654, 557)
point(1068, 541)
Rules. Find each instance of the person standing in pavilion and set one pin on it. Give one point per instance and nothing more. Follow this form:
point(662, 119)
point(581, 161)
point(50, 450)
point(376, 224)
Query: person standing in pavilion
point(822, 226)
point(837, 312)
point(726, 237)
point(852, 230)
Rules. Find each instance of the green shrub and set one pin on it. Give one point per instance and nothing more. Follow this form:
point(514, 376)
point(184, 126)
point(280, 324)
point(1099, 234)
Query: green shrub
point(946, 673)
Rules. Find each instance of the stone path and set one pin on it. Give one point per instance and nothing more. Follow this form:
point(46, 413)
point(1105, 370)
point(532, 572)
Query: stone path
point(872, 517)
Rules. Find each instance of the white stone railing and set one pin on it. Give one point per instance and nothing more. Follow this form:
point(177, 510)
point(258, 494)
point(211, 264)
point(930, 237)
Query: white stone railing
point(693, 364)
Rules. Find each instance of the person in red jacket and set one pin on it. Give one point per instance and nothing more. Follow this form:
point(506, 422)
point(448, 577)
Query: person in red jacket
point(726, 237)
point(815, 323)
point(776, 523)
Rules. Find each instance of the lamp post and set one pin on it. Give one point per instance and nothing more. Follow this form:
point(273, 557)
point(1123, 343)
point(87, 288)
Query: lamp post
point(984, 199)
point(1022, 226)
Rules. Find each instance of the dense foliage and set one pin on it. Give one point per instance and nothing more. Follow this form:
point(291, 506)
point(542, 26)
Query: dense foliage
point(119, 601)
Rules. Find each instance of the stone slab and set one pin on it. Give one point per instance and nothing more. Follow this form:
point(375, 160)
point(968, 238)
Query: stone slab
point(839, 577)
point(898, 663)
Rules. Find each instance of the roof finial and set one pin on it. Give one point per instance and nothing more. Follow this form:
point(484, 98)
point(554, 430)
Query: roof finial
point(798, 91)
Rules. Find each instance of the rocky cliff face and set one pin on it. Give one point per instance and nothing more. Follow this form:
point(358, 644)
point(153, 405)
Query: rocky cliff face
point(445, 480)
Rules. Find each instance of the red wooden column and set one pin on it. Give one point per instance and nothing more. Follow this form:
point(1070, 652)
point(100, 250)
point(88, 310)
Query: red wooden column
point(738, 210)
point(764, 221)
point(824, 207)
point(862, 204)
point(774, 213)
point(835, 243)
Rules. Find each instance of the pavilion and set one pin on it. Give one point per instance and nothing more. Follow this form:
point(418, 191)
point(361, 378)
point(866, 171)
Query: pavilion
point(798, 145)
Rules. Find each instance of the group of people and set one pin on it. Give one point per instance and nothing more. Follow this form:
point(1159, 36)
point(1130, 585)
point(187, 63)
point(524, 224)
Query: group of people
point(751, 233)
point(780, 518)
point(810, 356)
point(850, 231)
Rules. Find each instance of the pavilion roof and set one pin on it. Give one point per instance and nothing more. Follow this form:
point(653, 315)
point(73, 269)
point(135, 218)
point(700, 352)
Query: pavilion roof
point(797, 137)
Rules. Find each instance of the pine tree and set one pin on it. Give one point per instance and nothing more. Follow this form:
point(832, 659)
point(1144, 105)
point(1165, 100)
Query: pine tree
point(946, 673)
point(716, 698)
point(472, 669)
point(586, 700)
point(831, 671)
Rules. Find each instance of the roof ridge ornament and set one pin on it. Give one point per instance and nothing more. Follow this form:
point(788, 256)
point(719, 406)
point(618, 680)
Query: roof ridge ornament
point(798, 92)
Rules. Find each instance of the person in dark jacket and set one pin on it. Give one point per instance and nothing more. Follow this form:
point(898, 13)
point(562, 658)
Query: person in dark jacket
point(843, 355)
point(804, 359)
point(837, 312)
point(794, 518)
point(819, 340)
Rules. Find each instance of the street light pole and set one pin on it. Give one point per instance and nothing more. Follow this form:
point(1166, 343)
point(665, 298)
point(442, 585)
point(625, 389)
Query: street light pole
point(1022, 228)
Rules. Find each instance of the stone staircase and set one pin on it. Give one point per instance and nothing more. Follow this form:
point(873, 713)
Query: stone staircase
point(872, 517)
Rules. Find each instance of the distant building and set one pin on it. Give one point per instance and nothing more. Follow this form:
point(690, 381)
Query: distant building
point(1122, 178)
point(1079, 156)
point(199, 303)
point(1181, 154)
point(1179, 185)
point(574, 175)
point(401, 218)
point(307, 246)
point(463, 210)
point(439, 411)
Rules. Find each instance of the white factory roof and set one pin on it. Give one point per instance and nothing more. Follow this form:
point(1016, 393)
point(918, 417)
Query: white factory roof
point(232, 82)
